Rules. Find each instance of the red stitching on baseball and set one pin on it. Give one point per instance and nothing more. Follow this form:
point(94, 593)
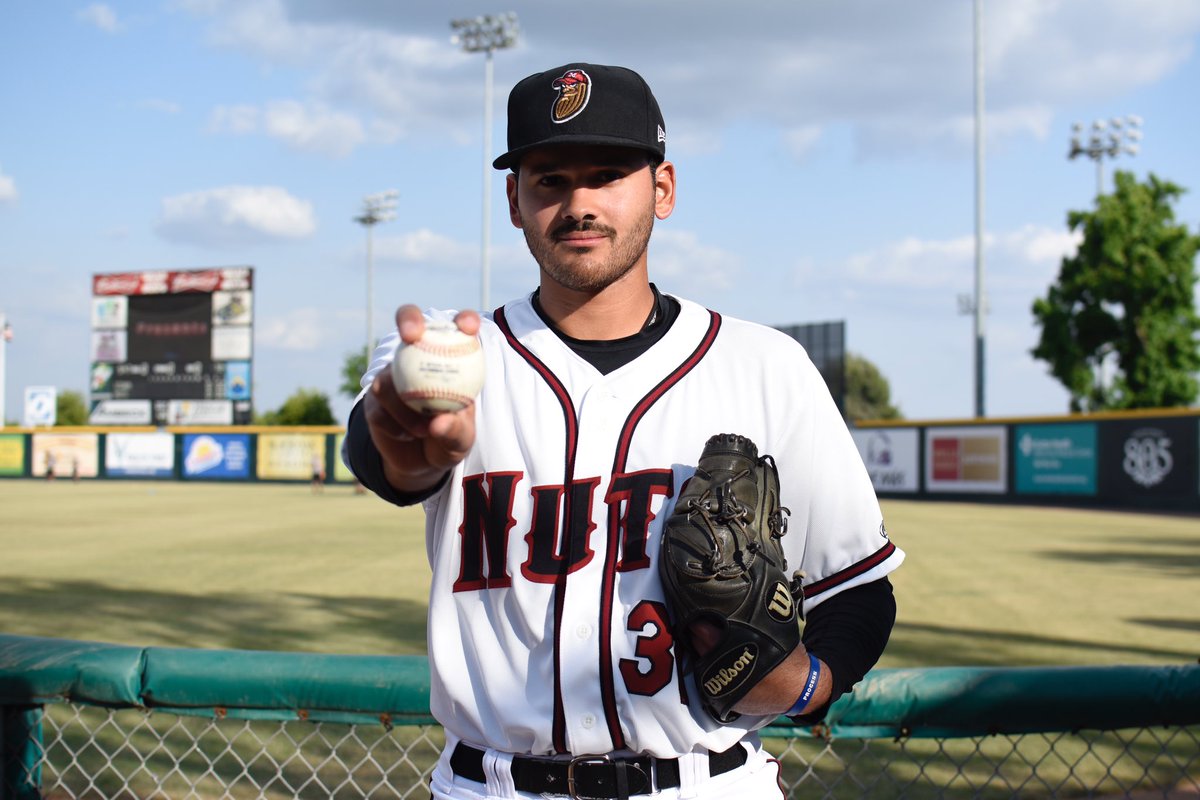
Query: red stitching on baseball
point(452, 350)
point(435, 394)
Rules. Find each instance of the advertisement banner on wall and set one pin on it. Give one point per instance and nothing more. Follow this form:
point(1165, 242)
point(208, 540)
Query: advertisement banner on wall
point(1056, 459)
point(216, 455)
point(12, 454)
point(110, 312)
point(1148, 461)
point(141, 455)
point(891, 457)
point(237, 380)
point(120, 412)
point(288, 456)
point(967, 459)
point(341, 472)
point(66, 454)
point(200, 412)
point(41, 406)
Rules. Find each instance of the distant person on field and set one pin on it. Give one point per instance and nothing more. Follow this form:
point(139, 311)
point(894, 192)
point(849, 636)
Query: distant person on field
point(318, 473)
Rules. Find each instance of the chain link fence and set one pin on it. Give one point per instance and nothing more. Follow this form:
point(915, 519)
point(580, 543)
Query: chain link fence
point(88, 752)
point(90, 722)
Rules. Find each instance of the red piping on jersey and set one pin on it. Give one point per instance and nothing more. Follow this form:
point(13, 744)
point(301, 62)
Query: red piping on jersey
point(608, 585)
point(852, 571)
point(559, 726)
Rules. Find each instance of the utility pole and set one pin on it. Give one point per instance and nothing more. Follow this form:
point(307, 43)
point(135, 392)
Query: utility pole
point(979, 230)
point(6, 336)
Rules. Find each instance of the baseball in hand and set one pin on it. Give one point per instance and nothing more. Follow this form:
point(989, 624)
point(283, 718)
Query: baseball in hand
point(442, 371)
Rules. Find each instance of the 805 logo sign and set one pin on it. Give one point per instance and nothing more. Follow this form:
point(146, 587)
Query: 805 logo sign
point(1148, 459)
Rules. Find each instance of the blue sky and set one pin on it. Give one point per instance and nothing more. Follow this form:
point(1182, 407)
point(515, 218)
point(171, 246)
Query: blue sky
point(824, 152)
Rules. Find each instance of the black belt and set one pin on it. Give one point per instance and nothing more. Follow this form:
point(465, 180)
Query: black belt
point(585, 777)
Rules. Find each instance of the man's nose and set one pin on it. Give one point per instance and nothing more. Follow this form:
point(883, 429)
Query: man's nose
point(579, 204)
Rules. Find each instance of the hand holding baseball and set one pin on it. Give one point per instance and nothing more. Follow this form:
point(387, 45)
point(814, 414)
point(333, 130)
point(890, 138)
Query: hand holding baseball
point(420, 442)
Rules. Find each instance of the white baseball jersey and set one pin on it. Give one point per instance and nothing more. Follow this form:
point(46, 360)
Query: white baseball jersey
point(548, 631)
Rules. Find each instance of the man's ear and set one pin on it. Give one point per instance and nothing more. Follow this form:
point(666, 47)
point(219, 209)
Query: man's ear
point(664, 190)
point(514, 210)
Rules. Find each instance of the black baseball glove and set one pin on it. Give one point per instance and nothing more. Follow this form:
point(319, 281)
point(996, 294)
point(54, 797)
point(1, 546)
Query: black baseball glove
point(722, 563)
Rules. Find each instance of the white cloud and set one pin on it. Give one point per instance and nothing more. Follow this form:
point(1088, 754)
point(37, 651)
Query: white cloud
point(161, 105)
point(299, 329)
point(311, 127)
point(1038, 246)
point(800, 141)
point(1021, 260)
point(240, 119)
point(680, 255)
point(403, 81)
point(899, 73)
point(424, 247)
point(101, 15)
point(8, 189)
point(235, 215)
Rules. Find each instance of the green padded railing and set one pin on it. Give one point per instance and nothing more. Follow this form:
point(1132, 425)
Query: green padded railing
point(949, 703)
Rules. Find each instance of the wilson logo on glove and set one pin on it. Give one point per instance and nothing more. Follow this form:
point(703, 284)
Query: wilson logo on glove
point(728, 678)
point(781, 607)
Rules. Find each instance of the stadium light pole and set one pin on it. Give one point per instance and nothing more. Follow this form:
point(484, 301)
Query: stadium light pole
point(486, 34)
point(1106, 140)
point(378, 207)
point(979, 232)
point(6, 335)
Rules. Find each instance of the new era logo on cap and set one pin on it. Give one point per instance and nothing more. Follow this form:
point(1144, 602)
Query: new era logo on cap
point(588, 104)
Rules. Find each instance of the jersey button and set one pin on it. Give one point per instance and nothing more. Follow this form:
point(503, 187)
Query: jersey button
point(584, 631)
point(587, 720)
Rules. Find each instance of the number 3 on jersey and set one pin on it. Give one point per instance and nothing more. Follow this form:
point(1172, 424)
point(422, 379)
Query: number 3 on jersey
point(649, 618)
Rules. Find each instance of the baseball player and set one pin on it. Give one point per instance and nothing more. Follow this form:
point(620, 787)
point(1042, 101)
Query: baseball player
point(559, 665)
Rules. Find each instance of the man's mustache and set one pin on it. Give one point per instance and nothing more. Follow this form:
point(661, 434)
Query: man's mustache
point(586, 225)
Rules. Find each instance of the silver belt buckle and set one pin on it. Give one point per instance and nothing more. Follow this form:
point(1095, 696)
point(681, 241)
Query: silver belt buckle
point(575, 762)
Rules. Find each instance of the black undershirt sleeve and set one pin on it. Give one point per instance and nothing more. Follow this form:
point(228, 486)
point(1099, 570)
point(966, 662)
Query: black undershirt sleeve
point(367, 465)
point(849, 632)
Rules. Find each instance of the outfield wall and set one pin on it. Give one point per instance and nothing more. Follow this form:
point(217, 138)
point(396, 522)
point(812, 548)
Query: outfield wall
point(236, 453)
point(1145, 460)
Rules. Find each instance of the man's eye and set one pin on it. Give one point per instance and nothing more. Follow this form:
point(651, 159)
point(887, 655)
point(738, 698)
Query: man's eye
point(550, 180)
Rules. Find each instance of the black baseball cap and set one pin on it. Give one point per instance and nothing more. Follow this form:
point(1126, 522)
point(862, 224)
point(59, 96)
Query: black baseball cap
point(583, 104)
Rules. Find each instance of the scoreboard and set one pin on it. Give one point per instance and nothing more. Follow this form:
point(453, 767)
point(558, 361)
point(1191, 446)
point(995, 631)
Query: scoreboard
point(172, 347)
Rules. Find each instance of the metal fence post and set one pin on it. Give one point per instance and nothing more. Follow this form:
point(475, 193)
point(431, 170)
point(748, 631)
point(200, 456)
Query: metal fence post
point(20, 752)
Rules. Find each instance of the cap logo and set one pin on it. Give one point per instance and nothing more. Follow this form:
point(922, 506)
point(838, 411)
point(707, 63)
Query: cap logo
point(574, 91)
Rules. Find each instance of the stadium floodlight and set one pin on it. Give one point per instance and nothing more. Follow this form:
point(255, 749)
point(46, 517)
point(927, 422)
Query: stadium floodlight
point(486, 34)
point(1106, 139)
point(378, 207)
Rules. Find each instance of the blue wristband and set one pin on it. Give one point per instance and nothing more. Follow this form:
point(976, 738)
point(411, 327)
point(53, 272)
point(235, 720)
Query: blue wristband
point(810, 687)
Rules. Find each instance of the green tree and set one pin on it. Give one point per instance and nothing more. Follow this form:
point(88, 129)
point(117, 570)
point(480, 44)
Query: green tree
point(354, 367)
point(304, 407)
point(868, 395)
point(70, 408)
point(1128, 294)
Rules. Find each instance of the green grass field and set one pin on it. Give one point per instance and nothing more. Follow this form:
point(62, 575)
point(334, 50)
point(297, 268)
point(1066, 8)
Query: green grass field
point(275, 567)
